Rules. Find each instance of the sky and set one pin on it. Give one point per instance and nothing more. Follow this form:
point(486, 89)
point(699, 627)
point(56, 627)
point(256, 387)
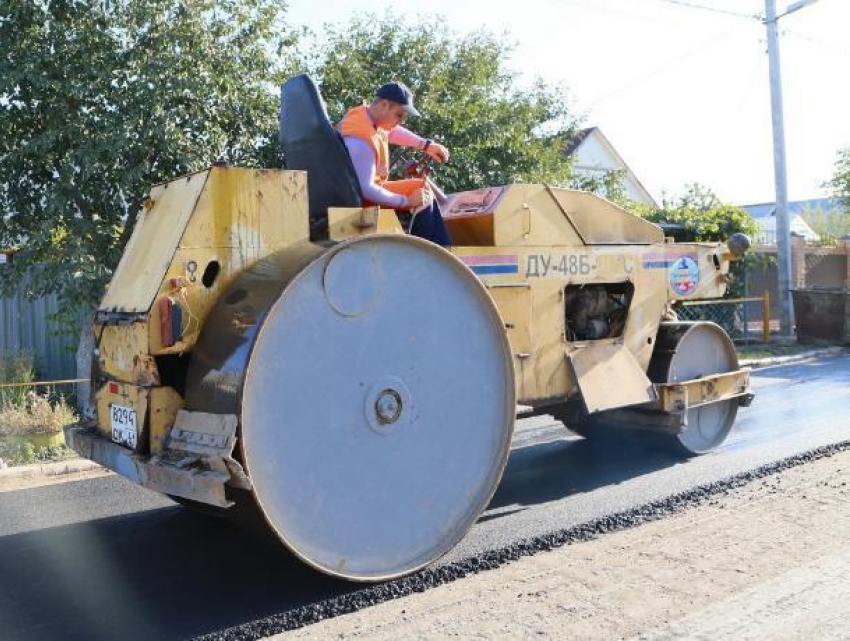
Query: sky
point(681, 92)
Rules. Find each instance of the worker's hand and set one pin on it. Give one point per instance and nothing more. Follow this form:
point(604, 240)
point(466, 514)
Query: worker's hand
point(438, 152)
point(420, 198)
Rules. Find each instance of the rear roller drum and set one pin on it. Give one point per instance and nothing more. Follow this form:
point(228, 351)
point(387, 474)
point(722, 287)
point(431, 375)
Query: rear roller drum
point(376, 403)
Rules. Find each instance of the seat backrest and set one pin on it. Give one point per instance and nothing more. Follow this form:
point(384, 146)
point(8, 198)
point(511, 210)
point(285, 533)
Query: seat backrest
point(310, 143)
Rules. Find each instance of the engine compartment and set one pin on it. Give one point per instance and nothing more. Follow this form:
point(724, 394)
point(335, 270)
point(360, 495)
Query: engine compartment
point(595, 312)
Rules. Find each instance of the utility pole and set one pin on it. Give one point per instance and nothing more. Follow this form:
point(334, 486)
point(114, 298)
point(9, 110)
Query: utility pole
point(783, 222)
point(783, 225)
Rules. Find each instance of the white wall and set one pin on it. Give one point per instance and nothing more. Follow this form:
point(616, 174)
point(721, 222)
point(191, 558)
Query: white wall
point(594, 157)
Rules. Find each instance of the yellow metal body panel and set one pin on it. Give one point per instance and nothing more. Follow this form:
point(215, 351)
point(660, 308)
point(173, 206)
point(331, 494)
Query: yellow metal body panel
point(545, 240)
point(165, 402)
point(124, 353)
point(600, 222)
point(220, 220)
point(216, 222)
point(541, 215)
point(610, 377)
point(347, 222)
point(241, 216)
point(249, 210)
point(156, 409)
point(152, 244)
point(515, 305)
point(527, 215)
point(542, 370)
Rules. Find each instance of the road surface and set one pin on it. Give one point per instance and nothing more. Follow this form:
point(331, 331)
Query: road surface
point(103, 559)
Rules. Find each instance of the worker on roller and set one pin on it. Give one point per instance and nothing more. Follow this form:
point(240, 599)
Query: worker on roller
point(367, 132)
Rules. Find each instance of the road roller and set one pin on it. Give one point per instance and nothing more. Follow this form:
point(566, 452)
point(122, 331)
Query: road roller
point(268, 342)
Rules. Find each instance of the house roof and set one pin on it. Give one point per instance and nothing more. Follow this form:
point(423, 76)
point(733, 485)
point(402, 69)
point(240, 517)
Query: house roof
point(799, 207)
point(581, 137)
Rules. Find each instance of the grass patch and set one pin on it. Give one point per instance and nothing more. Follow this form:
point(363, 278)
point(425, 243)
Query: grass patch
point(31, 424)
point(32, 431)
point(15, 368)
point(14, 453)
point(35, 415)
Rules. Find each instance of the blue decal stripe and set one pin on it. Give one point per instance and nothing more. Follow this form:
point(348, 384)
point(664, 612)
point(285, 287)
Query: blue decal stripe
point(495, 269)
point(658, 263)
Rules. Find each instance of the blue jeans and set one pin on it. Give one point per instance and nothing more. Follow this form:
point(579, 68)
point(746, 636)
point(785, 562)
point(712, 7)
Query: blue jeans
point(429, 224)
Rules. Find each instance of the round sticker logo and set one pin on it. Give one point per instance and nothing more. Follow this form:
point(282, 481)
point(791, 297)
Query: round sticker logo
point(684, 275)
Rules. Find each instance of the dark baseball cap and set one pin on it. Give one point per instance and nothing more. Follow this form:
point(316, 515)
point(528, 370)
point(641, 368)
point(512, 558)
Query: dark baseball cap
point(400, 93)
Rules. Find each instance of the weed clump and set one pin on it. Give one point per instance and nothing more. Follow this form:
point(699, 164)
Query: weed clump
point(31, 424)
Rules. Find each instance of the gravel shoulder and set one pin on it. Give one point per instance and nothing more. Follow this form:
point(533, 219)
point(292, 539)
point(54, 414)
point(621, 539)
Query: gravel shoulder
point(769, 560)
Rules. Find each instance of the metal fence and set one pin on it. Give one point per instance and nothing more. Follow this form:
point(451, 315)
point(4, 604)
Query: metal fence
point(26, 326)
point(744, 319)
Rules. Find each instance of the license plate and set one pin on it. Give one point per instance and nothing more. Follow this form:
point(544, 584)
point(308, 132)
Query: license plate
point(123, 420)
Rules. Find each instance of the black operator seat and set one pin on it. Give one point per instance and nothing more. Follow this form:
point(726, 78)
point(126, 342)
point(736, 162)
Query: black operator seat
point(310, 143)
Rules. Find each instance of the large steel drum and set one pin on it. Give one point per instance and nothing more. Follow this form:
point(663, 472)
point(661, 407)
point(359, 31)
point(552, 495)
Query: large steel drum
point(685, 351)
point(374, 388)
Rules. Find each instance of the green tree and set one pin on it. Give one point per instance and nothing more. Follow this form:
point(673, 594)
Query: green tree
point(497, 132)
point(608, 184)
point(830, 224)
point(835, 224)
point(100, 99)
point(840, 182)
point(701, 215)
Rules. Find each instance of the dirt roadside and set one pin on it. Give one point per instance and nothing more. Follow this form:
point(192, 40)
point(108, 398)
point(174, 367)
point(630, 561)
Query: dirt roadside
point(770, 560)
point(31, 476)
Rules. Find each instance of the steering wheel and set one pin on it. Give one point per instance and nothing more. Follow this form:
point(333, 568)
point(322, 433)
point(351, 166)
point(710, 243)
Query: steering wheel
point(421, 168)
point(413, 168)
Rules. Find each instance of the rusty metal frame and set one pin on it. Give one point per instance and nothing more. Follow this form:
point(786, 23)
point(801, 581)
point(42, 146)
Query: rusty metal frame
point(198, 465)
point(679, 397)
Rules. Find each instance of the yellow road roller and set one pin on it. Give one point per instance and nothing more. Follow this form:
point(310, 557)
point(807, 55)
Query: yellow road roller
point(267, 341)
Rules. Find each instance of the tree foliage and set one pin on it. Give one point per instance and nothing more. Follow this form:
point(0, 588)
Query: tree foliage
point(100, 99)
point(830, 224)
point(608, 184)
point(497, 132)
point(840, 182)
point(700, 215)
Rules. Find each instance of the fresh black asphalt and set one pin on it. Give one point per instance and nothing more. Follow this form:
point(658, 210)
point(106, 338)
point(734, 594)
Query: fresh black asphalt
point(103, 559)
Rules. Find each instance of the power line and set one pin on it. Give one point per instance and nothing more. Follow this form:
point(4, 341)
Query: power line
point(672, 62)
point(815, 41)
point(606, 9)
point(692, 5)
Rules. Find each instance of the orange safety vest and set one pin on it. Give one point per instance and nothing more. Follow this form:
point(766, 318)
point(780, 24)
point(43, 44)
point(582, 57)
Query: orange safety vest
point(357, 124)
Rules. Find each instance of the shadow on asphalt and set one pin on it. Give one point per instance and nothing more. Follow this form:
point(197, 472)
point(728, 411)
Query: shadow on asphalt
point(171, 574)
point(551, 471)
point(159, 574)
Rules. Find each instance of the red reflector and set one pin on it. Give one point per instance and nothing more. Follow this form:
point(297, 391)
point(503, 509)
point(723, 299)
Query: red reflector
point(113, 388)
point(166, 322)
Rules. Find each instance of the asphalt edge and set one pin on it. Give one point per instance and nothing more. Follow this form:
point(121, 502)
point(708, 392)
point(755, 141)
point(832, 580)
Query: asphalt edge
point(69, 468)
point(434, 577)
point(770, 361)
